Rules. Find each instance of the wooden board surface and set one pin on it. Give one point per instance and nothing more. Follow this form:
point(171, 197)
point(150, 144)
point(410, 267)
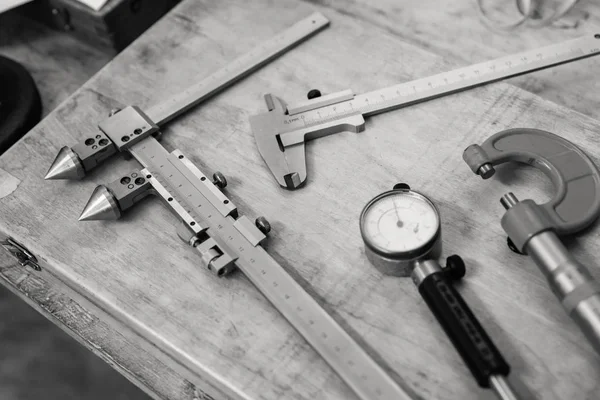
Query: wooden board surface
point(222, 332)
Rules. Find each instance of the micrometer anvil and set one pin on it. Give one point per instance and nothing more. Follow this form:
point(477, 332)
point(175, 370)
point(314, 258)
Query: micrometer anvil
point(534, 228)
point(281, 132)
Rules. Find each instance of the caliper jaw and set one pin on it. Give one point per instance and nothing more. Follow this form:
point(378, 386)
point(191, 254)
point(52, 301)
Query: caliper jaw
point(281, 143)
point(288, 166)
point(74, 162)
point(128, 127)
point(108, 202)
point(118, 132)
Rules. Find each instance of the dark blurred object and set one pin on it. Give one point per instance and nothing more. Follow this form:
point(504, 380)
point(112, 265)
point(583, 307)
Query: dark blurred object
point(39, 361)
point(20, 104)
point(535, 14)
point(116, 25)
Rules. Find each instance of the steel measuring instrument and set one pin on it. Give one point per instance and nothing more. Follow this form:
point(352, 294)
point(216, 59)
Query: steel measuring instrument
point(281, 132)
point(209, 220)
point(402, 233)
point(534, 229)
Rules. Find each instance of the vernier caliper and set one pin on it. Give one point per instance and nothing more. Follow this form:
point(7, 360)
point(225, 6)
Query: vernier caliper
point(534, 228)
point(281, 132)
point(209, 220)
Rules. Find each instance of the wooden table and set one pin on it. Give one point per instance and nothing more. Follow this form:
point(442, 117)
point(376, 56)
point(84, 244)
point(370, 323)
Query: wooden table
point(132, 293)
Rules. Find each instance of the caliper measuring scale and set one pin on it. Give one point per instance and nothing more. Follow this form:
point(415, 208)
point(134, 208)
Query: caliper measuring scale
point(402, 233)
point(281, 132)
point(209, 220)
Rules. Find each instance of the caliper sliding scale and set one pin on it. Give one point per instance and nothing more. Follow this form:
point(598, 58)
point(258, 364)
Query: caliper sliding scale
point(281, 132)
point(209, 220)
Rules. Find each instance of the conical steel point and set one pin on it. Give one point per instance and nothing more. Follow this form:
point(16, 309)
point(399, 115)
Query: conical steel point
point(66, 165)
point(101, 206)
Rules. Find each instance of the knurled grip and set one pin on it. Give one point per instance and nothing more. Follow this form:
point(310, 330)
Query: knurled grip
point(576, 203)
point(466, 333)
point(570, 281)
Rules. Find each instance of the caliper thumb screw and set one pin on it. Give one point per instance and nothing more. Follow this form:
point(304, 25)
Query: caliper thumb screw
point(313, 94)
point(219, 180)
point(455, 267)
point(263, 225)
point(401, 186)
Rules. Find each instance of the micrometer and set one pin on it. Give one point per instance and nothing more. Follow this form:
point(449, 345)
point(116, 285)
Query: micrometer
point(281, 132)
point(209, 220)
point(534, 228)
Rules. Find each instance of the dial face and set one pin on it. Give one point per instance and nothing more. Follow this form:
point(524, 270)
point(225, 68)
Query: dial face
point(399, 222)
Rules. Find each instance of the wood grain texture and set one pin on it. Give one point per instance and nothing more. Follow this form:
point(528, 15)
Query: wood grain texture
point(119, 351)
point(221, 333)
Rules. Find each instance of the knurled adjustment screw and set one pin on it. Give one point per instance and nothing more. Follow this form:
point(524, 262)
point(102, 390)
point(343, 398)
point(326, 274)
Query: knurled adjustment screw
point(313, 94)
point(455, 267)
point(219, 180)
point(114, 111)
point(263, 225)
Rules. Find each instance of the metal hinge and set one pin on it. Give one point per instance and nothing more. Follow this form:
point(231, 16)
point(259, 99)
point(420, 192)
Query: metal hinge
point(20, 252)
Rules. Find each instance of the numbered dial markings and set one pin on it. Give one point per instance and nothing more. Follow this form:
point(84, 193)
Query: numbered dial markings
point(400, 221)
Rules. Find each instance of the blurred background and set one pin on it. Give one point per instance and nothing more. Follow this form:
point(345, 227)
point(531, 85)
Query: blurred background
point(37, 359)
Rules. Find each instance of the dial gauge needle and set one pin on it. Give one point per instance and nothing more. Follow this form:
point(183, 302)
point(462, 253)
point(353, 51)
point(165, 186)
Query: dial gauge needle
point(399, 224)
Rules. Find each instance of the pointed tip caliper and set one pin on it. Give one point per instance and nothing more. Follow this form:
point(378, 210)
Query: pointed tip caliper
point(281, 132)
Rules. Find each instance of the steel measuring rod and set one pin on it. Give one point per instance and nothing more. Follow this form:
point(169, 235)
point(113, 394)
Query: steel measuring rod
point(282, 131)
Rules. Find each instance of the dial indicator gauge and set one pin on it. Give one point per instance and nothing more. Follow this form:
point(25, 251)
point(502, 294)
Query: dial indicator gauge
point(399, 223)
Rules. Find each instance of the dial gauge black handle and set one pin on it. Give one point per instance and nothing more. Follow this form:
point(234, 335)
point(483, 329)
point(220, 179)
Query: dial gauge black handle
point(460, 324)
